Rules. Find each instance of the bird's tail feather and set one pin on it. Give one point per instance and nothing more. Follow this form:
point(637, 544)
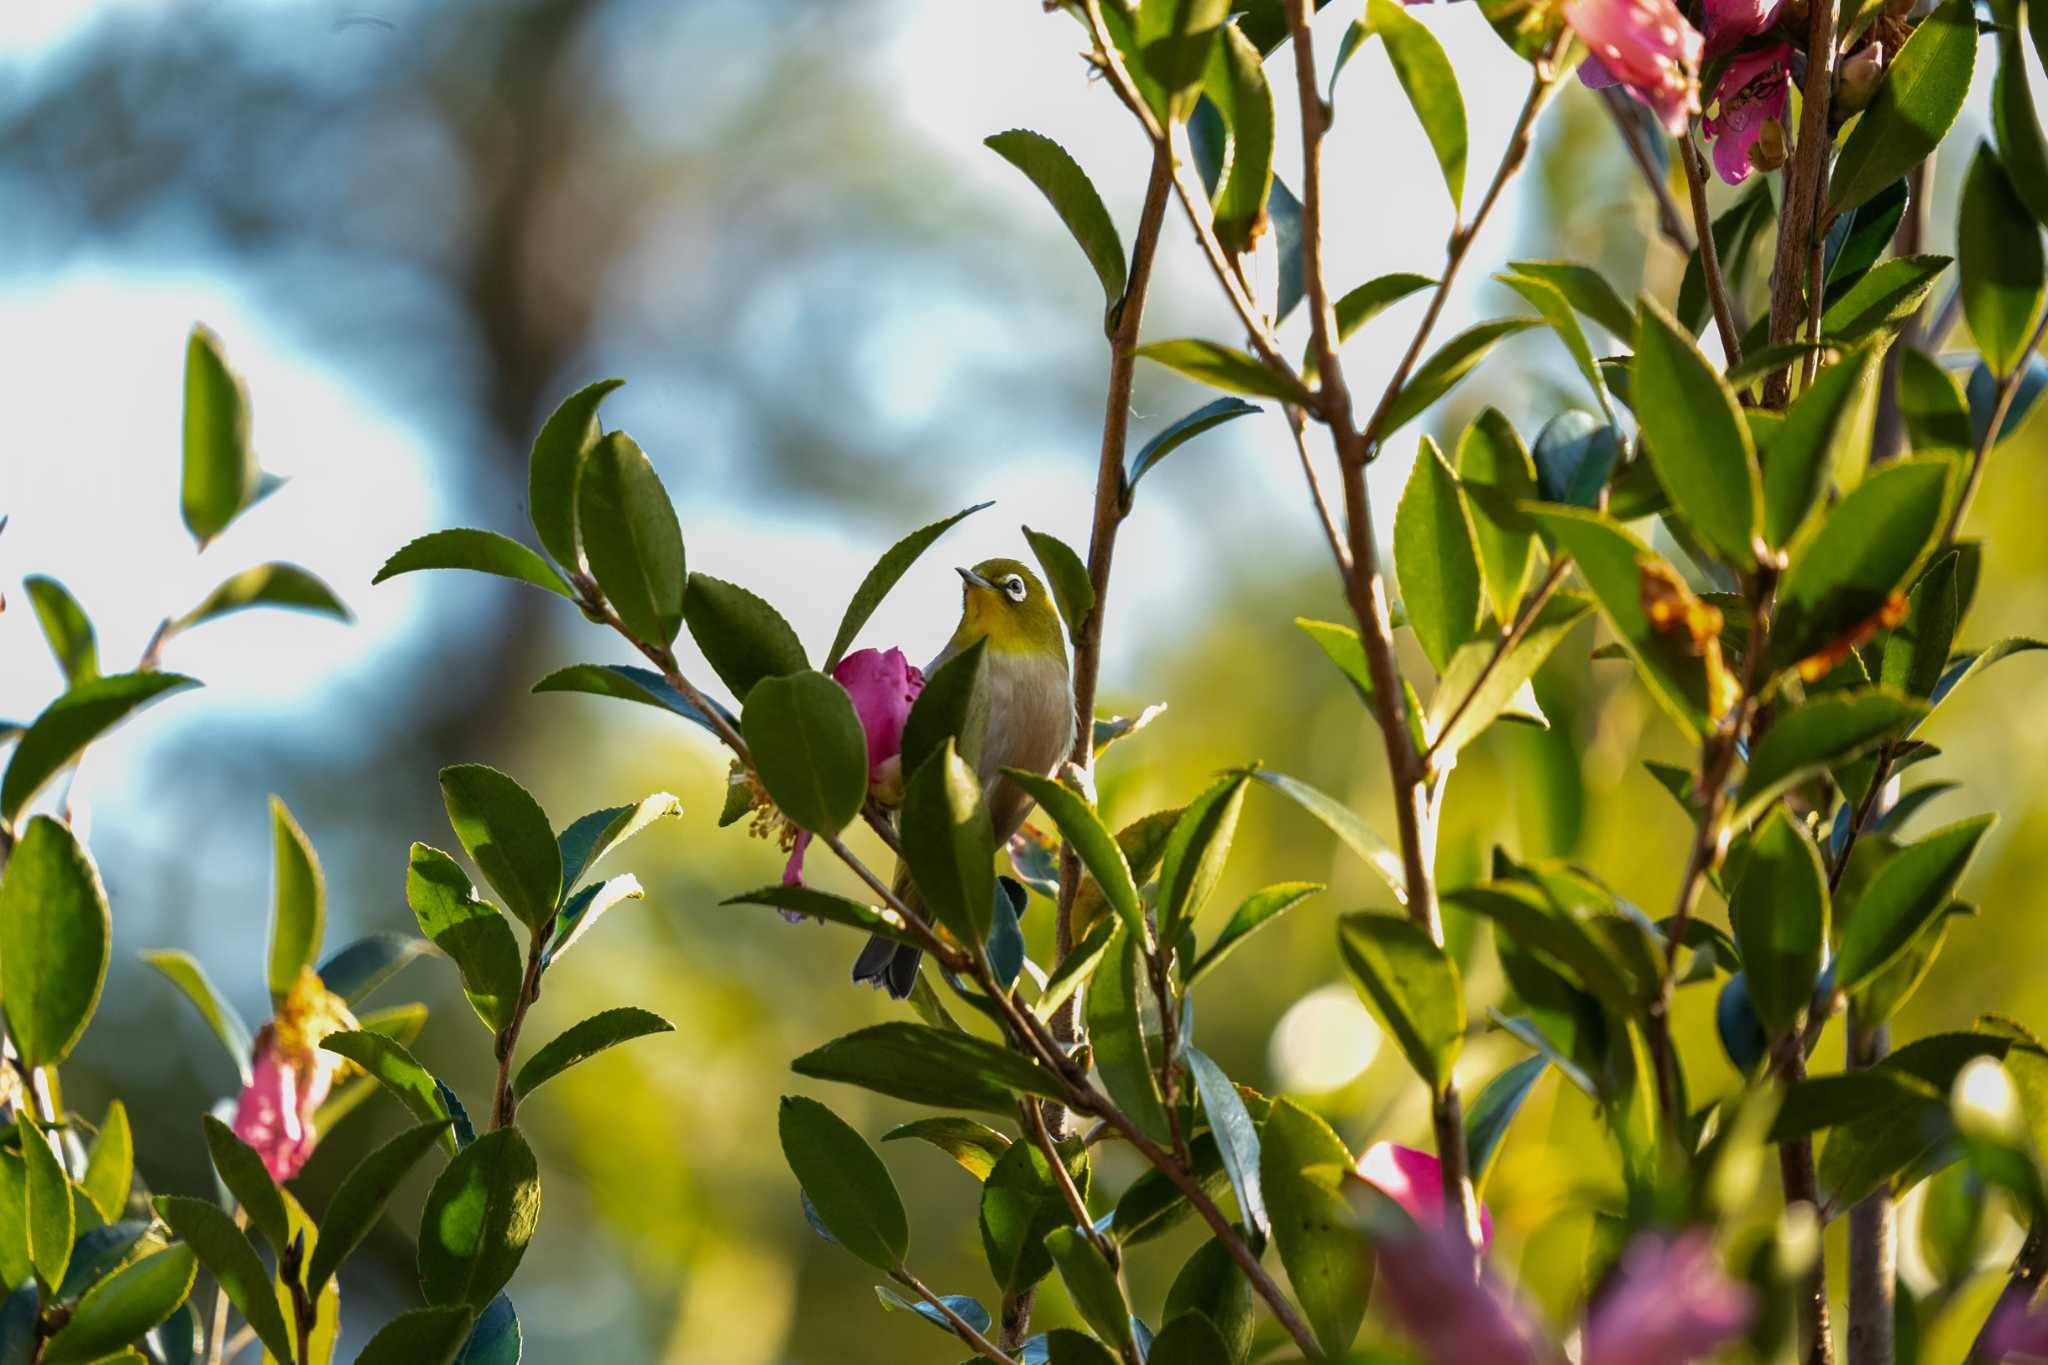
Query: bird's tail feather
point(886, 963)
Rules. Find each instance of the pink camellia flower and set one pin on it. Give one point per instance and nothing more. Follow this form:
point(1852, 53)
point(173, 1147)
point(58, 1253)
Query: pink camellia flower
point(1668, 1304)
point(290, 1076)
point(882, 684)
point(1415, 1181)
point(1455, 1318)
point(1644, 46)
point(1750, 95)
point(1728, 22)
point(2019, 1331)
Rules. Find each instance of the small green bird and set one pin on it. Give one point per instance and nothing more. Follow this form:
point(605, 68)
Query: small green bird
point(1030, 720)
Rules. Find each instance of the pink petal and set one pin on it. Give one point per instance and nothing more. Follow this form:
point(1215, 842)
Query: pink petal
point(1456, 1319)
point(1414, 1180)
point(883, 685)
point(1669, 1303)
point(273, 1118)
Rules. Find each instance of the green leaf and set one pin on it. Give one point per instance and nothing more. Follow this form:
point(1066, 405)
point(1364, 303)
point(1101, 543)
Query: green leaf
point(48, 1212)
point(54, 928)
point(423, 1336)
point(495, 1339)
point(1486, 1122)
point(471, 931)
point(1491, 455)
point(601, 831)
point(242, 1172)
point(1237, 1139)
point(1375, 296)
point(1412, 986)
point(184, 972)
point(1327, 1261)
point(743, 638)
point(1548, 300)
point(483, 551)
point(67, 628)
point(298, 908)
point(1827, 431)
point(507, 836)
point(267, 585)
point(1999, 259)
point(1091, 1285)
point(1151, 1206)
point(1431, 86)
point(1090, 839)
point(628, 683)
point(1917, 650)
point(1439, 374)
point(1236, 83)
point(1192, 1339)
point(1210, 1289)
point(1340, 820)
point(478, 1219)
point(1195, 852)
point(354, 971)
point(1864, 551)
point(220, 477)
point(1435, 558)
point(1735, 233)
point(1067, 188)
point(1697, 440)
point(585, 1040)
point(1020, 1203)
point(1931, 401)
point(1211, 414)
point(848, 1186)
point(398, 1071)
point(1174, 39)
point(1907, 893)
point(1065, 1346)
point(226, 1253)
point(358, 1203)
point(1922, 92)
point(2020, 144)
point(1575, 456)
point(1881, 302)
point(630, 535)
point(1258, 909)
point(565, 441)
point(1075, 970)
point(893, 564)
point(1342, 645)
point(1611, 560)
point(59, 735)
point(930, 1066)
point(1969, 665)
point(1072, 590)
point(1831, 729)
point(976, 1146)
point(1120, 1007)
point(1587, 290)
point(962, 1307)
point(821, 905)
point(119, 1309)
point(954, 705)
point(1501, 688)
point(110, 1164)
point(950, 845)
point(1222, 367)
point(1779, 913)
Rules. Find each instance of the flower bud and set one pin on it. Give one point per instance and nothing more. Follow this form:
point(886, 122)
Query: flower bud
point(1768, 152)
point(1859, 76)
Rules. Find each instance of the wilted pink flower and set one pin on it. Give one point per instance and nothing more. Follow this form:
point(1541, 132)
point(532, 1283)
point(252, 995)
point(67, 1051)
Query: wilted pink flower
point(1415, 1181)
point(1455, 1318)
point(290, 1077)
point(1751, 94)
point(1644, 46)
point(2017, 1330)
point(882, 684)
point(1728, 22)
point(1669, 1304)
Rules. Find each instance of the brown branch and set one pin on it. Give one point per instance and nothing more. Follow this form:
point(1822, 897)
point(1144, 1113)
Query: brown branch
point(1873, 1245)
point(1034, 1120)
point(2008, 390)
point(1795, 1170)
point(1805, 183)
point(1509, 638)
point(1331, 534)
point(505, 1105)
point(1710, 252)
point(1669, 221)
point(961, 1327)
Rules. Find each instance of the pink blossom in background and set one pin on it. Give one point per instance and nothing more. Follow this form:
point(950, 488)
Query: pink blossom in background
point(1669, 1303)
point(290, 1076)
point(2017, 1330)
point(1455, 1318)
point(1751, 93)
point(1414, 1180)
point(882, 684)
point(1644, 46)
point(1728, 22)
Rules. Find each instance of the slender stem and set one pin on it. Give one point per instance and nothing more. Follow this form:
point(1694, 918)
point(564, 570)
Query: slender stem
point(1805, 181)
point(505, 1106)
point(1890, 438)
point(1509, 638)
point(1331, 534)
point(2008, 390)
point(1873, 1246)
point(1710, 252)
point(1035, 1121)
point(961, 1327)
point(239, 1343)
point(1795, 1170)
point(1669, 221)
point(217, 1338)
point(1860, 819)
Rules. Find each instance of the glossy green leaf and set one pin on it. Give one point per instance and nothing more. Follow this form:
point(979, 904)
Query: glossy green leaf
point(954, 705)
point(1237, 1138)
point(580, 1042)
point(49, 1214)
point(1065, 576)
point(356, 969)
point(628, 683)
point(1806, 740)
point(478, 1219)
point(1258, 910)
point(508, 837)
point(744, 638)
point(219, 474)
point(184, 972)
point(848, 1186)
point(1431, 86)
point(223, 1249)
point(2020, 143)
point(1495, 1107)
point(1077, 967)
point(1342, 645)
point(822, 905)
point(1969, 665)
point(298, 904)
point(950, 845)
point(1826, 433)
point(59, 735)
point(598, 833)
point(1412, 987)
point(1556, 310)
point(1020, 1203)
point(932, 1066)
point(1328, 1262)
point(1906, 894)
point(1091, 840)
point(1779, 914)
point(1492, 457)
point(1211, 1289)
point(976, 1146)
point(54, 929)
point(1067, 188)
point(1695, 435)
point(1196, 850)
point(1587, 290)
point(470, 931)
point(1921, 94)
point(1451, 721)
point(1192, 1339)
point(1435, 557)
point(1236, 82)
point(1448, 364)
point(966, 1309)
point(1916, 651)
point(631, 538)
point(1931, 401)
point(481, 551)
point(1999, 263)
point(1882, 301)
point(1209, 415)
point(1575, 457)
point(120, 1308)
point(1222, 367)
point(1735, 234)
point(386, 1060)
point(243, 1174)
point(422, 1336)
point(110, 1164)
point(267, 585)
point(1152, 1205)
point(66, 627)
point(1122, 1026)
point(894, 563)
point(1342, 822)
point(553, 472)
point(358, 1203)
point(1091, 1285)
point(495, 1338)
point(1366, 302)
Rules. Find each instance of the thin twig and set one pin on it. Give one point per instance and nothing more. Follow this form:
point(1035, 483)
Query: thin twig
point(505, 1104)
point(1669, 221)
point(1805, 177)
point(1981, 456)
point(961, 1327)
point(1331, 534)
point(1873, 1245)
point(1076, 1205)
point(1710, 252)
point(1509, 638)
point(1796, 1172)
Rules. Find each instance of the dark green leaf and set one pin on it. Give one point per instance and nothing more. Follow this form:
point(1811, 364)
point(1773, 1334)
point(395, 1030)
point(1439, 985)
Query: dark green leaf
point(121, 1308)
point(1020, 1203)
point(1922, 92)
point(495, 1339)
point(1834, 728)
point(1077, 967)
point(976, 1146)
point(744, 638)
point(848, 1186)
point(1343, 823)
point(1907, 893)
point(1151, 1206)
point(1066, 187)
point(1486, 1122)
point(1122, 1015)
point(631, 538)
point(967, 1310)
point(628, 683)
point(358, 1203)
point(821, 905)
point(483, 551)
point(1697, 440)
point(1450, 363)
point(2020, 144)
point(424, 1336)
point(190, 978)
point(1258, 909)
point(478, 1219)
point(226, 1253)
point(949, 844)
point(397, 1070)
point(1548, 300)
point(242, 1171)
point(1066, 576)
point(67, 628)
point(1917, 650)
point(507, 836)
point(1969, 665)
point(1328, 1262)
point(1931, 401)
point(1435, 558)
point(582, 1041)
point(2000, 264)
point(1431, 86)
point(54, 928)
point(1236, 84)
point(1237, 1140)
point(1212, 414)
point(298, 907)
point(59, 735)
point(1412, 987)
point(1091, 1285)
point(220, 477)
point(267, 585)
point(601, 831)
point(1375, 296)
point(1827, 432)
point(1491, 455)
point(893, 564)
point(1222, 367)
point(954, 705)
point(1860, 236)
point(1212, 1290)
point(361, 967)
point(1084, 831)
point(930, 1066)
point(110, 1164)
point(1735, 233)
point(1779, 913)
point(582, 910)
point(1882, 301)
point(552, 474)
point(1575, 456)
point(1587, 290)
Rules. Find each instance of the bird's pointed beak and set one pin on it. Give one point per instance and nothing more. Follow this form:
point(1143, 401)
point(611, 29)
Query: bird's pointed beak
point(974, 579)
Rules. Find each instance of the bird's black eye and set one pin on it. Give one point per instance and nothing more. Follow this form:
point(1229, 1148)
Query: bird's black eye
point(1013, 587)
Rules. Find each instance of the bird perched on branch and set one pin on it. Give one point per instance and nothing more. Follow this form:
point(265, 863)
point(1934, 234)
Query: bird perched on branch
point(1030, 720)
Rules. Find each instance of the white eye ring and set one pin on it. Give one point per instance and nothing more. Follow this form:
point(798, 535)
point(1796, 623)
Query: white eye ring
point(1013, 587)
